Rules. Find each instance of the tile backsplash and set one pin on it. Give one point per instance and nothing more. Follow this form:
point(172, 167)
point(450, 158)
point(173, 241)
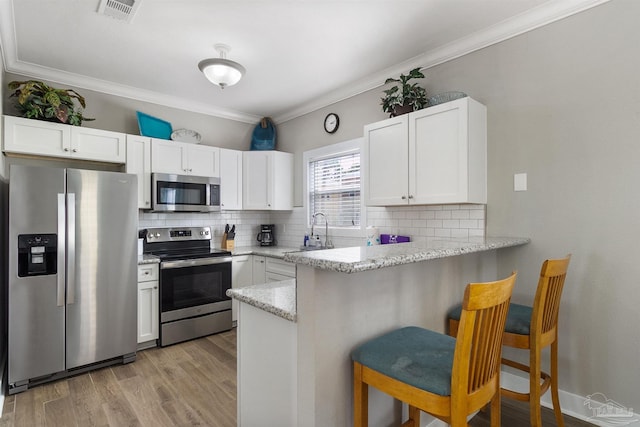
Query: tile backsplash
point(418, 222)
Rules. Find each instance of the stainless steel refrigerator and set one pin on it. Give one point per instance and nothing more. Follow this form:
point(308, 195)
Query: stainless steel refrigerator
point(72, 272)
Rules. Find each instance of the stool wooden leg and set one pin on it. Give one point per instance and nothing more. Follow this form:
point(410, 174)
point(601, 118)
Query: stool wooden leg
point(360, 398)
point(414, 416)
point(554, 384)
point(495, 410)
point(534, 388)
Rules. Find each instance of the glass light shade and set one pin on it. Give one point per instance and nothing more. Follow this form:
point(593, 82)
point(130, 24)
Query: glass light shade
point(221, 72)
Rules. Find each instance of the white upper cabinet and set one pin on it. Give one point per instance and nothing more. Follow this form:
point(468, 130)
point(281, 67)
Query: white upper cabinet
point(437, 155)
point(139, 163)
point(230, 179)
point(40, 138)
point(181, 158)
point(267, 180)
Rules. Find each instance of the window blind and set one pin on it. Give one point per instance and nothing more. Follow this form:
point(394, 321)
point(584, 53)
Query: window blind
point(334, 189)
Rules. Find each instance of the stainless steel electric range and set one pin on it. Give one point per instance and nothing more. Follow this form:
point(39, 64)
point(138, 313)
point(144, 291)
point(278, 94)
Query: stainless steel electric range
point(194, 279)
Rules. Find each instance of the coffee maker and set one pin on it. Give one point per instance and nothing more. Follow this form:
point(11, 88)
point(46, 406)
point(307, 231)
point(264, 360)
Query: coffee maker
point(266, 236)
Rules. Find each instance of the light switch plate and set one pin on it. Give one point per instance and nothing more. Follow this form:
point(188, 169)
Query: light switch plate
point(520, 182)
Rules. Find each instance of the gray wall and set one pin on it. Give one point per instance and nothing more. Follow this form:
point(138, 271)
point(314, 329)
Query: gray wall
point(564, 107)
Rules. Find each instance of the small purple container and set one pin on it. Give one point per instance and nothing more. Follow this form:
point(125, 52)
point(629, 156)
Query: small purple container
point(386, 239)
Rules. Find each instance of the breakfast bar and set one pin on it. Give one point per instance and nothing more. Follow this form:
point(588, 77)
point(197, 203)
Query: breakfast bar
point(298, 372)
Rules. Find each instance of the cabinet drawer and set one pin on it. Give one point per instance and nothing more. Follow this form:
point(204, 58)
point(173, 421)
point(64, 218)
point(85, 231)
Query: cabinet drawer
point(275, 277)
point(279, 266)
point(147, 272)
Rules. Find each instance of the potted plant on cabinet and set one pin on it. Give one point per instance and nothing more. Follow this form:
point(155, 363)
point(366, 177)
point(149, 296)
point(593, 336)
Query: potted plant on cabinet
point(404, 97)
point(37, 100)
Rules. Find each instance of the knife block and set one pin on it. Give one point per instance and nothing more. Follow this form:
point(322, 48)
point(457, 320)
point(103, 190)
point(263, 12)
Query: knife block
point(227, 244)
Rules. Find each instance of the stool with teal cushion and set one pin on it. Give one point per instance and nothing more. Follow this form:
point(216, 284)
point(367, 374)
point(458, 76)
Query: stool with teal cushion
point(446, 377)
point(534, 328)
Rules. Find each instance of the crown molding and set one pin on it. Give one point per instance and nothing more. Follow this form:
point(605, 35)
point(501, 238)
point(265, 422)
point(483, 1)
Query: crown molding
point(544, 14)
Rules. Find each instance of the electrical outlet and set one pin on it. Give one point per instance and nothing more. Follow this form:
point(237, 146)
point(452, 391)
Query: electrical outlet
point(520, 182)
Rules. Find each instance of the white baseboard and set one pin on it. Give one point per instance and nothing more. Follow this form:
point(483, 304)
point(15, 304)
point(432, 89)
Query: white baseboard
point(573, 405)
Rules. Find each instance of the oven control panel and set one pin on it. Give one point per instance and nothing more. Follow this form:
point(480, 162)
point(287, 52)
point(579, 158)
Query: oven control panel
point(177, 234)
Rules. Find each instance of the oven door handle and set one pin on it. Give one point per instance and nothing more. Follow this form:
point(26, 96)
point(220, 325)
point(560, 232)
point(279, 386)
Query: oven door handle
point(194, 262)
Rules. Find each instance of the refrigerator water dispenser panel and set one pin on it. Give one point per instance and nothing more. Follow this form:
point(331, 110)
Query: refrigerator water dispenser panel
point(37, 254)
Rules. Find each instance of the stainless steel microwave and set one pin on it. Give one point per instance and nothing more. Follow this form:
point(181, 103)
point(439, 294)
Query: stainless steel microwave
point(184, 193)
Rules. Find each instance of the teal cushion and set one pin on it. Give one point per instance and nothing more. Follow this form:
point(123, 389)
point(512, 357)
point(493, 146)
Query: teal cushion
point(518, 318)
point(415, 356)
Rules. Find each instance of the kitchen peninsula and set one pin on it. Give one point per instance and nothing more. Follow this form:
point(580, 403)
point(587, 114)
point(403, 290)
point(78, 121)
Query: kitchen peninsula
point(295, 337)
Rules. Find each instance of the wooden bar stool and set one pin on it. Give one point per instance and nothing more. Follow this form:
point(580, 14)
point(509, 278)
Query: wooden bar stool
point(448, 378)
point(533, 329)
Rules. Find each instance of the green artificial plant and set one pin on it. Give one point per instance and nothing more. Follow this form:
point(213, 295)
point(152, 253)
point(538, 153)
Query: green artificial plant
point(404, 97)
point(37, 100)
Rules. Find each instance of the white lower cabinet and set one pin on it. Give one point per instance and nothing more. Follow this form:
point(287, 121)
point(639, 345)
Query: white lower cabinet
point(256, 270)
point(148, 305)
point(241, 276)
point(267, 354)
point(259, 269)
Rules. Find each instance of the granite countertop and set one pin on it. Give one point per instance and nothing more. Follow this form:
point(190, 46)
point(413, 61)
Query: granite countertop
point(148, 259)
point(270, 251)
point(356, 259)
point(277, 298)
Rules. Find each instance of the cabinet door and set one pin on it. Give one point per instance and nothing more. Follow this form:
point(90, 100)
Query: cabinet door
point(203, 160)
point(259, 270)
point(230, 179)
point(36, 137)
point(441, 164)
point(280, 180)
point(98, 145)
point(167, 157)
point(139, 163)
point(385, 162)
point(256, 187)
point(241, 276)
point(148, 319)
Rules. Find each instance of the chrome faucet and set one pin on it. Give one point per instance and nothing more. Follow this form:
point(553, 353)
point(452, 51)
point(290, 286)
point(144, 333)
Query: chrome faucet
point(327, 243)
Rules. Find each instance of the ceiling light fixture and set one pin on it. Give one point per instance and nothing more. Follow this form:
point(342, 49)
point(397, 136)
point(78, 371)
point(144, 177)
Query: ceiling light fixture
point(222, 71)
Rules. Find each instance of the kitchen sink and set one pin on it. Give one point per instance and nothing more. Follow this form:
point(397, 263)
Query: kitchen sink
point(312, 248)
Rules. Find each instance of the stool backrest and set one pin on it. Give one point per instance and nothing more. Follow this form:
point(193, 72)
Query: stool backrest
point(544, 318)
point(476, 362)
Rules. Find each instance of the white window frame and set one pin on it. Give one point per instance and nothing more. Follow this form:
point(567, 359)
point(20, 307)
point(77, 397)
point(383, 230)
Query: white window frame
point(340, 148)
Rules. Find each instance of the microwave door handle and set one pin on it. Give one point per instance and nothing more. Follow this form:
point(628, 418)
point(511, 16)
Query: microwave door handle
point(61, 249)
point(71, 249)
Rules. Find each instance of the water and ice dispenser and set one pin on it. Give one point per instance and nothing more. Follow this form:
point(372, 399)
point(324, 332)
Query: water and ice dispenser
point(37, 254)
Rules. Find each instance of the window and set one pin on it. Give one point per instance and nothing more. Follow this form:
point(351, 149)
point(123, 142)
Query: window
point(333, 185)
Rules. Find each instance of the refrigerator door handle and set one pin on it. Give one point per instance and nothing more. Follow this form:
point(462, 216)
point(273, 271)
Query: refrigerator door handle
point(71, 248)
point(61, 249)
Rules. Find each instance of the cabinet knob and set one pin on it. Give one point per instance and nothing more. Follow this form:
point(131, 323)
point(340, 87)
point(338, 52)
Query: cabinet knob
point(146, 273)
point(75, 150)
point(404, 197)
point(410, 196)
point(66, 149)
point(155, 287)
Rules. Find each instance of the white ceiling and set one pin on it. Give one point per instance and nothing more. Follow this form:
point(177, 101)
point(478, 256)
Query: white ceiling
point(300, 55)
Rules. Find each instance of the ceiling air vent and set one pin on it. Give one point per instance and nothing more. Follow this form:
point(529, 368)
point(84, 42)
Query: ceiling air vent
point(123, 10)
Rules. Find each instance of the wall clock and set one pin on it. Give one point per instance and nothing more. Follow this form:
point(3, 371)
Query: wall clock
point(331, 122)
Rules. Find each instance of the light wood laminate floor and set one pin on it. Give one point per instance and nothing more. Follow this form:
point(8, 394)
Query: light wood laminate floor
point(188, 384)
